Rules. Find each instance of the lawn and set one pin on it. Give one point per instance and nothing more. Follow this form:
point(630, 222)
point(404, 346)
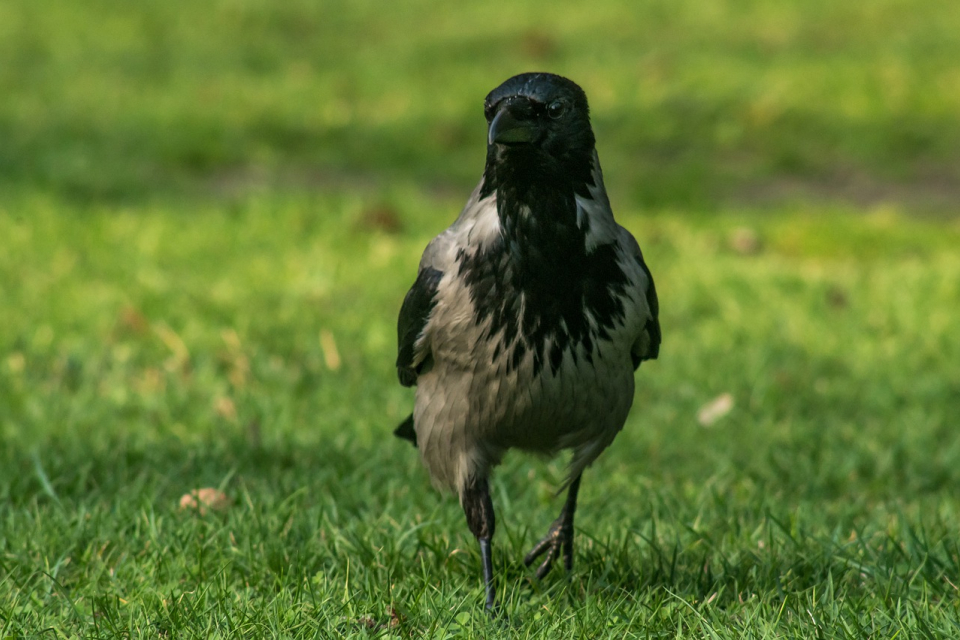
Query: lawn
point(209, 215)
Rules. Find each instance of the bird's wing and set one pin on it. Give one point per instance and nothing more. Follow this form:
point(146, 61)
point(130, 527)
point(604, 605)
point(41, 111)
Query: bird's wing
point(414, 313)
point(476, 224)
point(406, 430)
point(647, 345)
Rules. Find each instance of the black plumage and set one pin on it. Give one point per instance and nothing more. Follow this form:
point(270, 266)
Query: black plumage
point(413, 317)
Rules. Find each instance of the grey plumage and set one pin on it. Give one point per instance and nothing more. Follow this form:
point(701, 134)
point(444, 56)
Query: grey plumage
point(530, 313)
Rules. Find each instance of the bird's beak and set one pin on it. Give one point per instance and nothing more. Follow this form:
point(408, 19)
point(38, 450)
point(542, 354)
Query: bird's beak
point(507, 128)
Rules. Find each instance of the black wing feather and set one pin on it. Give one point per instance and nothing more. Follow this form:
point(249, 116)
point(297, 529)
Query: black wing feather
point(652, 327)
point(406, 431)
point(416, 308)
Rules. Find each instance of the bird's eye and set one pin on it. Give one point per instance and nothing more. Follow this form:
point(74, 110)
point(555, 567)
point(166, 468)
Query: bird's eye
point(555, 109)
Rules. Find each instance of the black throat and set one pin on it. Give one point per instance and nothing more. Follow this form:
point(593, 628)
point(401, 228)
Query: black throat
point(536, 282)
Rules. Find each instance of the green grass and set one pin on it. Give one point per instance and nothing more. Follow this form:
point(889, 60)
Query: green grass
point(195, 200)
point(734, 101)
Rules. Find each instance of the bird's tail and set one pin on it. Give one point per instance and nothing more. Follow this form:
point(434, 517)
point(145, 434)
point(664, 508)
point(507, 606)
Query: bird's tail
point(406, 430)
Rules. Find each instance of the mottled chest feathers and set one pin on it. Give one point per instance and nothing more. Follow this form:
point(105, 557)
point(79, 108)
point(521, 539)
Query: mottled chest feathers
point(542, 293)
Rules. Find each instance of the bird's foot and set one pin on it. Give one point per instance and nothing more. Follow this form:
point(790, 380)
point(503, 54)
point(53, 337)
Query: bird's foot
point(559, 540)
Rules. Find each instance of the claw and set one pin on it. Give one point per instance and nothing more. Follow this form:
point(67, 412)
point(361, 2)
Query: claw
point(559, 540)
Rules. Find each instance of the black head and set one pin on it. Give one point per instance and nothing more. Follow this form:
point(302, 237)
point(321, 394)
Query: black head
point(541, 113)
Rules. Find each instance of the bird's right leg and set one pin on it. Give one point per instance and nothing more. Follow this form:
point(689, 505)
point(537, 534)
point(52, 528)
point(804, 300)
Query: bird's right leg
point(480, 518)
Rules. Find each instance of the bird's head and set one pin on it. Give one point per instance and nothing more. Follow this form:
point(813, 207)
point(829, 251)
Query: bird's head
point(541, 113)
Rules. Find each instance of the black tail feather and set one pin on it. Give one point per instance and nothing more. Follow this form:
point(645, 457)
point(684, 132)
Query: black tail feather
point(406, 430)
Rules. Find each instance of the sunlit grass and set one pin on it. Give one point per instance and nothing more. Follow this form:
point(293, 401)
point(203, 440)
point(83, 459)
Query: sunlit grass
point(152, 351)
point(209, 215)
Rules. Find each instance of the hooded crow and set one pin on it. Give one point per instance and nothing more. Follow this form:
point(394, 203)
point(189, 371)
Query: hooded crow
point(529, 315)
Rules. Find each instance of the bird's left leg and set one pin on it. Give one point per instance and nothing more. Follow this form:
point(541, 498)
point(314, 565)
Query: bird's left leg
point(559, 538)
point(480, 518)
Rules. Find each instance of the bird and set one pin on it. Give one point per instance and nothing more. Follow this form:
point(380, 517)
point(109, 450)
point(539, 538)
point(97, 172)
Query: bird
point(529, 315)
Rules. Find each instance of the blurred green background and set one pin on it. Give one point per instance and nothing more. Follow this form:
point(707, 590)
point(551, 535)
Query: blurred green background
point(210, 212)
point(747, 102)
